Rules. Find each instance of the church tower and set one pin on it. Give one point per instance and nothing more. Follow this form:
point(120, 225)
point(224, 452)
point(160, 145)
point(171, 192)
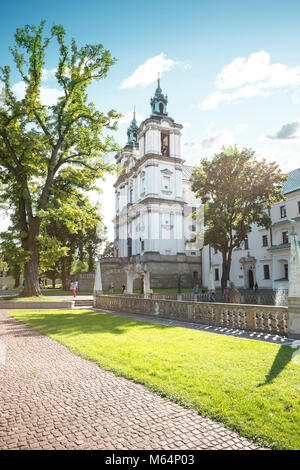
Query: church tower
point(152, 195)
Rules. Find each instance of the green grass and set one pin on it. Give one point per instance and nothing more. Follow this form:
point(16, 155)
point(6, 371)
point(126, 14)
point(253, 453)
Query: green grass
point(62, 292)
point(250, 386)
point(19, 298)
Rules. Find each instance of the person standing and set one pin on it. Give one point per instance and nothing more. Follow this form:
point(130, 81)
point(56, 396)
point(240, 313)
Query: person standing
point(123, 289)
point(73, 288)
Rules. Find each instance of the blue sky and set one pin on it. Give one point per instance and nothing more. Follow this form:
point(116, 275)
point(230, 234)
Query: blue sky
point(231, 69)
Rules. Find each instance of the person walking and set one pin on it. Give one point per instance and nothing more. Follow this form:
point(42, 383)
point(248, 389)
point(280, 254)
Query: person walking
point(123, 289)
point(73, 288)
point(111, 288)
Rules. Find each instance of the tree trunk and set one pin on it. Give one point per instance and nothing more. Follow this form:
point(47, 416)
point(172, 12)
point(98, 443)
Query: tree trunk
point(53, 283)
point(17, 280)
point(63, 275)
point(31, 272)
point(226, 264)
point(91, 262)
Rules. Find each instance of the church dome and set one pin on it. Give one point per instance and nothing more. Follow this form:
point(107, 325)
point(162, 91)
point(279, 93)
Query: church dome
point(293, 182)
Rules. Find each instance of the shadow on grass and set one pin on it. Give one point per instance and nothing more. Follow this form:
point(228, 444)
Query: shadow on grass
point(87, 322)
point(283, 357)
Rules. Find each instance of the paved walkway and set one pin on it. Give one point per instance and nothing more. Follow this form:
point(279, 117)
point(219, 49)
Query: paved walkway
point(52, 399)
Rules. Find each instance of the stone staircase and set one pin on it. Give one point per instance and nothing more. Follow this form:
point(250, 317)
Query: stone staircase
point(83, 303)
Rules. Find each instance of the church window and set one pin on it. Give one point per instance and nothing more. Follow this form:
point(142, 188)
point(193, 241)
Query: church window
point(286, 271)
point(161, 108)
point(282, 211)
point(166, 182)
point(217, 274)
point(246, 243)
point(142, 245)
point(266, 271)
point(165, 144)
point(285, 237)
point(131, 196)
point(265, 240)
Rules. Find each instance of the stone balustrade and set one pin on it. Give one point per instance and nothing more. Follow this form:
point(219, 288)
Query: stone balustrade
point(260, 318)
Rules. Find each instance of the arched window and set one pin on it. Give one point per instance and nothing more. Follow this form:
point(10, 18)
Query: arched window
point(161, 108)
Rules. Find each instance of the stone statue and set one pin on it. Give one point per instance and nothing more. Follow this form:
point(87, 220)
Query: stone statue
point(234, 295)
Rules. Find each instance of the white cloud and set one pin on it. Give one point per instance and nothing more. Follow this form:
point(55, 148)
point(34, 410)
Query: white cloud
point(127, 118)
point(147, 72)
point(245, 92)
point(251, 76)
point(214, 140)
point(48, 74)
point(49, 96)
point(19, 90)
point(289, 131)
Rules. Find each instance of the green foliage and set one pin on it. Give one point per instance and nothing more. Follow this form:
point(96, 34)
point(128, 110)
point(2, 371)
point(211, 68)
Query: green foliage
point(13, 253)
point(241, 189)
point(3, 265)
point(108, 249)
point(46, 151)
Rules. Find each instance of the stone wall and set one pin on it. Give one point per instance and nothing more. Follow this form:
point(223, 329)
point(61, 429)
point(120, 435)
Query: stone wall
point(264, 318)
point(163, 269)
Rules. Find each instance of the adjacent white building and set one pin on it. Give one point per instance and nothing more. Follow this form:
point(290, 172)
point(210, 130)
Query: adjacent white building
point(264, 256)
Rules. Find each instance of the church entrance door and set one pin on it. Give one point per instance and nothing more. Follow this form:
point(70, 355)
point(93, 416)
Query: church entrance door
point(251, 279)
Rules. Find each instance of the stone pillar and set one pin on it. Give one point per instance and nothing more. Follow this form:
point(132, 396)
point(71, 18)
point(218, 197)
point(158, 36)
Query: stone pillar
point(97, 283)
point(294, 286)
point(129, 284)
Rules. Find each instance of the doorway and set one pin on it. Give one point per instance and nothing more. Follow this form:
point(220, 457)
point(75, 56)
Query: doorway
point(250, 279)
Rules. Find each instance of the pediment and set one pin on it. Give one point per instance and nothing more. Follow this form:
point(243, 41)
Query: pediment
point(166, 171)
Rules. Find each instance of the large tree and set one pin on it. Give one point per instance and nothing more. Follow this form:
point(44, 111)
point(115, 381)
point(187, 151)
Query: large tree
point(239, 190)
point(39, 143)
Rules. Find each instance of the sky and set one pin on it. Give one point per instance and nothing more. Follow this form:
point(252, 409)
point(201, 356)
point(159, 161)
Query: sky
point(231, 69)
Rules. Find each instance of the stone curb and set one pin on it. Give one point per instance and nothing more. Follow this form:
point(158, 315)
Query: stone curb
point(36, 305)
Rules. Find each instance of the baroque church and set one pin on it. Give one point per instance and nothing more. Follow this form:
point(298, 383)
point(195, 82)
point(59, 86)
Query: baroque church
point(154, 204)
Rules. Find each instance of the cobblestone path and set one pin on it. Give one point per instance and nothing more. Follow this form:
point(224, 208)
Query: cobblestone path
point(52, 399)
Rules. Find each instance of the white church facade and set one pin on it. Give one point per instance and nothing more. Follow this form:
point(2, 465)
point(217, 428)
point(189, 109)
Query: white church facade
point(154, 201)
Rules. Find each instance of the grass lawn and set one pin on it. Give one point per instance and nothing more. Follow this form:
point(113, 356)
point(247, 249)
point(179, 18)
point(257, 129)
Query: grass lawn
point(58, 292)
point(18, 298)
point(250, 386)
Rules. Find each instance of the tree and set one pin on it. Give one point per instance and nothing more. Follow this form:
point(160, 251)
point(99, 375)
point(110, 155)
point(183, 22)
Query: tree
point(66, 241)
point(41, 144)
point(13, 253)
point(108, 249)
point(240, 191)
point(3, 266)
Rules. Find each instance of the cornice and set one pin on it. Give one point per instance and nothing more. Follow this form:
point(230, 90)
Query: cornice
point(145, 158)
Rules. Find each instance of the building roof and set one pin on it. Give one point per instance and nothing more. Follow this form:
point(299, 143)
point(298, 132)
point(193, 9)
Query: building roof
point(187, 171)
point(293, 182)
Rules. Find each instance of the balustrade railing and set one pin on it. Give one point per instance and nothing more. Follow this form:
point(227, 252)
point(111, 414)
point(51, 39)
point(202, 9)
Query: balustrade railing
point(259, 318)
